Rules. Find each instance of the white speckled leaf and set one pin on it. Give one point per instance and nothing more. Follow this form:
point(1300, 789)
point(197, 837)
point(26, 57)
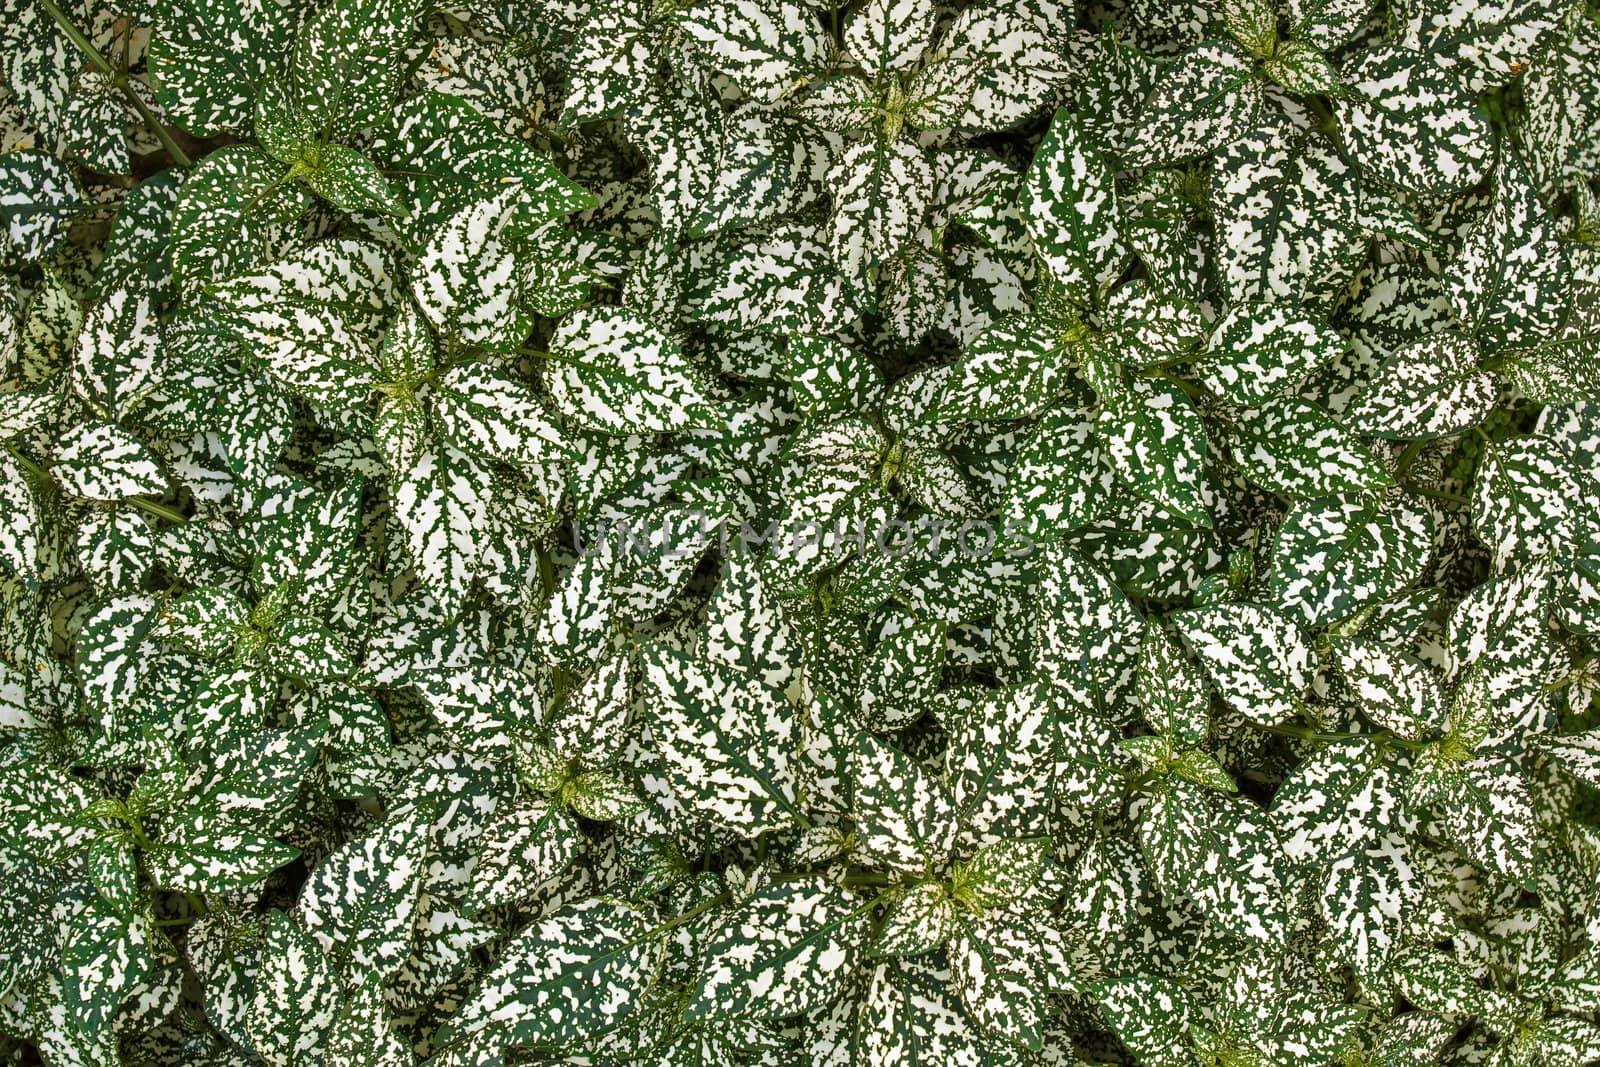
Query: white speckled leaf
point(233, 214)
point(784, 279)
point(1365, 901)
point(1488, 814)
point(523, 847)
point(768, 47)
point(1089, 632)
point(789, 949)
point(497, 417)
point(347, 179)
point(1240, 883)
point(1003, 969)
point(1015, 58)
point(101, 461)
point(1257, 351)
point(881, 191)
point(1170, 691)
point(37, 196)
point(1256, 657)
point(349, 60)
point(566, 978)
point(724, 740)
point(1002, 874)
point(618, 373)
point(1561, 103)
point(1062, 477)
point(899, 679)
point(296, 996)
point(208, 56)
point(1523, 499)
point(917, 921)
point(1429, 388)
point(467, 280)
point(443, 506)
point(363, 1033)
point(1577, 754)
point(1292, 446)
point(1069, 204)
point(359, 901)
point(312, 317)
point(1395, 691)
point(1011, 371)
point(1335, 801)
point(998, 763)
point(19, 536)
point(889, 35)
point(905, 817)
point(1285, 206)
point(1486, 45)
point(120, 353)
point(746, 627)
point(1510, 281)
point(199, 858)
point(1205, 100)
point(1335, 555)
point(1157, 443)
point(1150, 1014)
point(1410, 124)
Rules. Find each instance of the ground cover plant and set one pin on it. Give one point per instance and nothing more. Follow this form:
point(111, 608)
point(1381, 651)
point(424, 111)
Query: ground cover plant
point(745, 532)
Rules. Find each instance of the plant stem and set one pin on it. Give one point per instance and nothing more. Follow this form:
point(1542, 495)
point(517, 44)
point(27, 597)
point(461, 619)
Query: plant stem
point(82, 43)
point(28, 465)
point(688, 916)
point(1195, 394)
point(160, 511)
point(866, 878)
point(118, 78)
point(179, 156)
point(1407, 458)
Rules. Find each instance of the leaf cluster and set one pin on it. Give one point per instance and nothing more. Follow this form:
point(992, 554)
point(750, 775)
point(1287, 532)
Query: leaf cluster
point(745, 532)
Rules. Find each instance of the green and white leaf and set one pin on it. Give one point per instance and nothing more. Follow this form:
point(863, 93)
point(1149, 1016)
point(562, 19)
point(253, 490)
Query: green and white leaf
point(296, 996)
point(617, 373)
point(724, 742)
point(1257, 658)
point(1069, 203)
point(788, 950)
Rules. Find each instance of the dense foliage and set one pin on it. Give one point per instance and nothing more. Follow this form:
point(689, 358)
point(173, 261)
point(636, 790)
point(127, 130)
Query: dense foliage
point(736, 532)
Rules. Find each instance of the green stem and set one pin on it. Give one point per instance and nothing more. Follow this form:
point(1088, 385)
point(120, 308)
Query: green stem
point(28, 465)
point(1195, 394)
point(547, 574)
point(688, 916)
point(119, 79)
point(1137, 781)
point(82, 43)
point(197, 908)
point(858, 879)
point(160, 511)
point(178, 155)
point(1407, 458)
